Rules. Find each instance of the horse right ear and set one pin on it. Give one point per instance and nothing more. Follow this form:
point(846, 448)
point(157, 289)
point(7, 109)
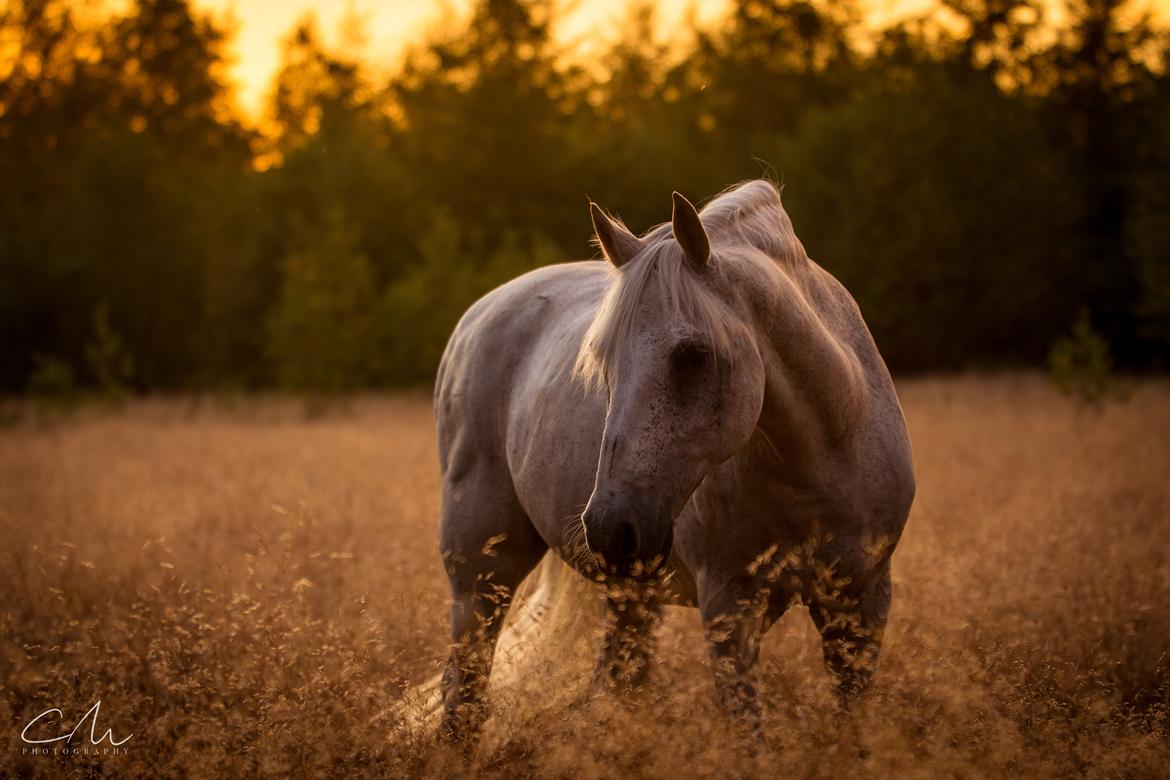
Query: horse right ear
point(618, 243)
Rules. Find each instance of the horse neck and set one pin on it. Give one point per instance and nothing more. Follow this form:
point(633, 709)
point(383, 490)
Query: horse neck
point(814, 382)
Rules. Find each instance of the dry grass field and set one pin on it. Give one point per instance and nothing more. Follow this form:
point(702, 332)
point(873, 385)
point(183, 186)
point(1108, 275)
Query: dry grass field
point(249, 592)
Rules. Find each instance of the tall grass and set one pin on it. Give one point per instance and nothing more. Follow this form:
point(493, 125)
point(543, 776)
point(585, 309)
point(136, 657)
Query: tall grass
point(250, 592)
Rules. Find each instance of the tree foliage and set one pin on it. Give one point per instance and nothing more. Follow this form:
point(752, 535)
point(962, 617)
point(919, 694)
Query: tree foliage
point(977, 176)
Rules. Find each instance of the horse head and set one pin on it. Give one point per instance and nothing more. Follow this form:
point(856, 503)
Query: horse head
point(677, 358)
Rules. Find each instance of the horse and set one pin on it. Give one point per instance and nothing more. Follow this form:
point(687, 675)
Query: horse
point(700, 418)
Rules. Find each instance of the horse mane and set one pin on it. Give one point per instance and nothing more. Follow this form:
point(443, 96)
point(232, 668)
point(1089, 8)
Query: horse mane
point(745, 220)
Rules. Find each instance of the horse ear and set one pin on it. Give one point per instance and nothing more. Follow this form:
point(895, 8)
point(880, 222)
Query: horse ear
point(618, 243)
point(689, 233)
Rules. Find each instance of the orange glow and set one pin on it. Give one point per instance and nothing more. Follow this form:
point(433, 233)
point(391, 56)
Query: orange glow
point(392, 25)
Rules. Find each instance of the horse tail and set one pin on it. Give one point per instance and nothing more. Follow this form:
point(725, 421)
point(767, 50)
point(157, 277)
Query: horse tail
point(553, 624)
point(557, 614)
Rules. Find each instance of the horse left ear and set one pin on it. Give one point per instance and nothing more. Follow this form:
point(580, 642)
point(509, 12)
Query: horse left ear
point(619, 244)
point(690, 234)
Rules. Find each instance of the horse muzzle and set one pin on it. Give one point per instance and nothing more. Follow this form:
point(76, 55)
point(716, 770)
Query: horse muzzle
point(629, 538)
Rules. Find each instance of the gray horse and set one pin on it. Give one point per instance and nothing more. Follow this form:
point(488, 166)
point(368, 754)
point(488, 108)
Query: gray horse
point(701, 418)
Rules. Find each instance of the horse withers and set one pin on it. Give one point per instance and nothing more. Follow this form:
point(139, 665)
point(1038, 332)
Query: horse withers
point(702, 417)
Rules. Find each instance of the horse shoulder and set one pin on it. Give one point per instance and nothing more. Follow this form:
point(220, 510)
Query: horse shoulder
point(499, 343)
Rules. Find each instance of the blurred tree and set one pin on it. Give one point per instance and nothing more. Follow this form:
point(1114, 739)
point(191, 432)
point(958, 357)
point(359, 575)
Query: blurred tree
point(337, 152)
point(169, 67)
point(484, 115)
point(311, 81)
point(112, 368)
point(976, 176)
point(1099, 70)
point(47, 93)
point(417, 313)
point(635, 140)
point(938, 203)
point(1147, 225)
point(115, 133)
point(1079, 364)
point(999, 36)
point(319, 329)
point(766, 66)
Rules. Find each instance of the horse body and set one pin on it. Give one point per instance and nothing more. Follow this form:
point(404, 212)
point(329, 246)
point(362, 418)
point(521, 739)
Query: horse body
point(713, 415)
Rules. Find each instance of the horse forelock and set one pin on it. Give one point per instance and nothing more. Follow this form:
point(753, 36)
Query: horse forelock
point(741, 223)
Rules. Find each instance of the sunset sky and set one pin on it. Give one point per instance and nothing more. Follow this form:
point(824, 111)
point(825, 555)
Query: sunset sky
point(262, 24)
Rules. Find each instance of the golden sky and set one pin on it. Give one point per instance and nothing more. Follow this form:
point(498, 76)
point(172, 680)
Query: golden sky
point(391, 24)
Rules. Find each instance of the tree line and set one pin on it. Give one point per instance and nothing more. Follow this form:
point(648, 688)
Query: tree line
point(986, 179)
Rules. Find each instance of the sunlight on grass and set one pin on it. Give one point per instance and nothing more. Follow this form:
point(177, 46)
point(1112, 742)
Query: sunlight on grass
point(251, 592)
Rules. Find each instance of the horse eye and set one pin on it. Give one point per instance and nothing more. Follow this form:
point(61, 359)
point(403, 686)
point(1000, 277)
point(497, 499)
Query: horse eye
point(689, 356)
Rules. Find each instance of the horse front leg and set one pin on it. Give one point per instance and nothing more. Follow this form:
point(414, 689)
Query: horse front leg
point(851, 635)
point(632, 615)
point(734, 628)
point(488, 547)
point(476, 618)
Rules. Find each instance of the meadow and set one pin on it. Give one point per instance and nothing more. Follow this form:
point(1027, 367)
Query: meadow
point(250, 591)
